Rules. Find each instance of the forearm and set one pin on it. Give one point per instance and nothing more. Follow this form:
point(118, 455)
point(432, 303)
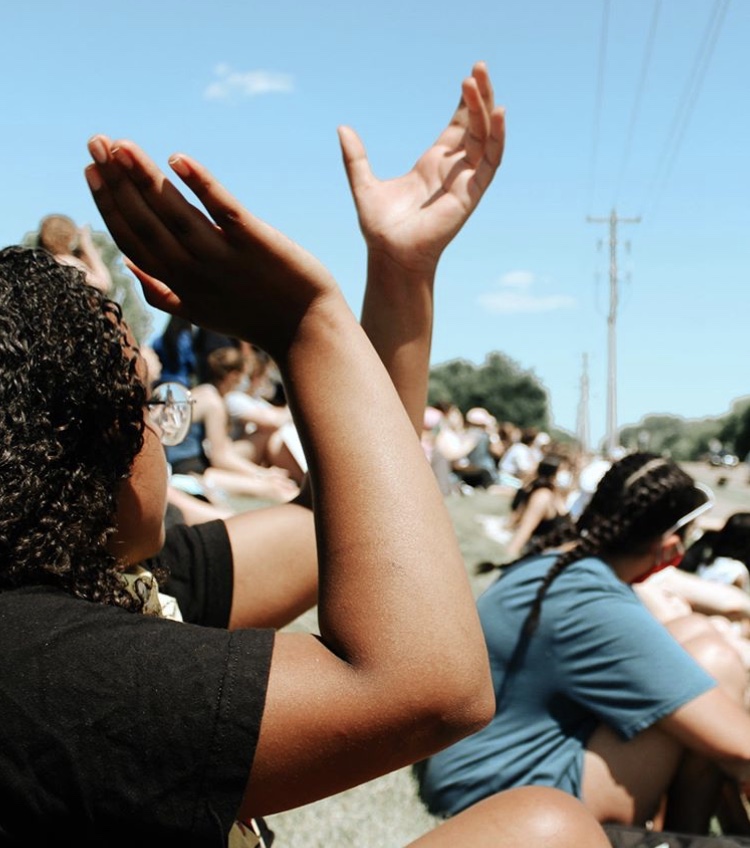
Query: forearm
point(397, 315)
point(98, 273)
point(706, 596)
point(382, 541)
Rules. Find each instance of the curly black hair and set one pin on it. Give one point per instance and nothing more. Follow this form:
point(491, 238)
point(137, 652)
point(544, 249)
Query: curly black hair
point(71, 425)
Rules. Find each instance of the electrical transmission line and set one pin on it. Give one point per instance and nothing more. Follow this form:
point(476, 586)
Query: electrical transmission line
point(687, 103)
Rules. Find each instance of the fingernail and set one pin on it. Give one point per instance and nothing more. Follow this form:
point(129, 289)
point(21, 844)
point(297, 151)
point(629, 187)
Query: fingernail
point(98, 150)
point(179, 166)
point(93, 178)
point(123, 157)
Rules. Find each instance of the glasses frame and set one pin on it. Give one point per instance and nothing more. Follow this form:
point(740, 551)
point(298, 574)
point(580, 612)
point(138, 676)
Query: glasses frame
point(183, 406)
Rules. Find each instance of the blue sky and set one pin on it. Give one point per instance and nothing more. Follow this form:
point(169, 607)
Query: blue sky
point(648, 115)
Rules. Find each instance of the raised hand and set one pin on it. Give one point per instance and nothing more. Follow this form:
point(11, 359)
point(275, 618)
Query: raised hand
point(412, 219)
point(230, 272)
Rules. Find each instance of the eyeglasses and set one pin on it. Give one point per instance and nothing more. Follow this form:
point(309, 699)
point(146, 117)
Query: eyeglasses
point(693, 514)
point(170, 410)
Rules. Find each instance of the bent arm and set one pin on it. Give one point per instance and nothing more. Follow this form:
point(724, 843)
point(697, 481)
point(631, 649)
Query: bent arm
point(97, 273)
point(355, 702)
point(706, 596)
point(406, 234)
point(718, 728)
point(534, 513)
point(381, 546)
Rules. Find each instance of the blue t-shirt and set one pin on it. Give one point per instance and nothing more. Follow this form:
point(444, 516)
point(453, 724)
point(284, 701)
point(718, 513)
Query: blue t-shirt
point(597, 656)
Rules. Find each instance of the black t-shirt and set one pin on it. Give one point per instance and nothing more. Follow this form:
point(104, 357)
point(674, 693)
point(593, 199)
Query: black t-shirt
point(201, 571)
point(117, 728)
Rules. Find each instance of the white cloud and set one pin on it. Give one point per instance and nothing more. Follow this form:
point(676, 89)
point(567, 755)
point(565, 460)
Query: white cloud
point(514, 295)
point(517, 280)
point(246, 83)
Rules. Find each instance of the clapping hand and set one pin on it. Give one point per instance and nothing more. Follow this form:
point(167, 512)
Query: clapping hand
point(230, 272)
point(410, 220)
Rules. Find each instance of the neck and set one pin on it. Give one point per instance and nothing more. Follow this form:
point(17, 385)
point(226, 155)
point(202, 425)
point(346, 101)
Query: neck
point(628, 567)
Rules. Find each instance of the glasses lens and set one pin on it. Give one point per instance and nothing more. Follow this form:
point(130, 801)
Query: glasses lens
point(171, 411)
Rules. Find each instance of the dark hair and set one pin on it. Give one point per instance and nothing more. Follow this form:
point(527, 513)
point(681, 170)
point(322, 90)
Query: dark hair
point(544, 478)
point(71, 424)
point(636, 501)
point(224, 361)
point(176, 326)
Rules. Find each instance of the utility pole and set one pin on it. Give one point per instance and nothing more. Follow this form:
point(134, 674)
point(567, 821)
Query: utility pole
point(582, 429)
point(613, 221)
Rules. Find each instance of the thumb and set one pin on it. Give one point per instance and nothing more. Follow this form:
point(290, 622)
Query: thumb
point(356, 164)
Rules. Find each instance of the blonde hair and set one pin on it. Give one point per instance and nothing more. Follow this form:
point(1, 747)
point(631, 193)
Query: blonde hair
point(57, 234)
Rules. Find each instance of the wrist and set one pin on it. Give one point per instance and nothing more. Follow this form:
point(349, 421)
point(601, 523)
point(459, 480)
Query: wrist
point(384, 266)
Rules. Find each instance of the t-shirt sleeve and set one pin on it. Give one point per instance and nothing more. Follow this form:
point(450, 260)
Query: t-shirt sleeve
point(616, 660)
point(201, 571)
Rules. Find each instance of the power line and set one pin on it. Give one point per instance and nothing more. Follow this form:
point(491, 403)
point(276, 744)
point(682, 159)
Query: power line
point(599, 98)
point(645, 65)
point(686, 106)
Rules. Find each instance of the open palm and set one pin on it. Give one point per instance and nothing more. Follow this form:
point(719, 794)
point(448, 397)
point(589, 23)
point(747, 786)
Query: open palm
point(411, 219)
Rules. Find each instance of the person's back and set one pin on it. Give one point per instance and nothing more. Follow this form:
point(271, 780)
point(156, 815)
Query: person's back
point(587, 682)
point(556, 687)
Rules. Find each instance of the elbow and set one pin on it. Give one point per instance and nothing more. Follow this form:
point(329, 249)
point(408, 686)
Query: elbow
point(465, 703)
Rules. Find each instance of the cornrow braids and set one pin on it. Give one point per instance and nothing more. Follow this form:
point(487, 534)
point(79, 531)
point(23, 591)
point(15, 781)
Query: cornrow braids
point(640, 497)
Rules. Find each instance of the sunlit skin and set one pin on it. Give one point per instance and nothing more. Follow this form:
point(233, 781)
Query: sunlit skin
point(142, 498)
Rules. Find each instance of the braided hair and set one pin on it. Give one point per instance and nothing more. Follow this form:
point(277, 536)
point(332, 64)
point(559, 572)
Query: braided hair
point(637, 500)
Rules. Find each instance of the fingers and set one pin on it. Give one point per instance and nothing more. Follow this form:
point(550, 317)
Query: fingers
point(469, 127)
point(142, 198)
point(156, 292)
point(228, 213)
point(356, 164)
point(134, 225)
point(482, 76)
point(478, 127)
point(493, 152)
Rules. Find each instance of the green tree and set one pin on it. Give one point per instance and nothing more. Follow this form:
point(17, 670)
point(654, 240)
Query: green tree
point(124, 287)
point(682, 439)
point(499, 384)
point(736, 430)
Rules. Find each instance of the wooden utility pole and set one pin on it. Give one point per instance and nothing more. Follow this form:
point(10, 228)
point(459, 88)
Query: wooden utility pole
point(582, 428)
point(613, 220)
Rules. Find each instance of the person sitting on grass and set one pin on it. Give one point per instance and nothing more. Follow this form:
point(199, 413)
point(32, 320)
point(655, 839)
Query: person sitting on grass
point(594, 696)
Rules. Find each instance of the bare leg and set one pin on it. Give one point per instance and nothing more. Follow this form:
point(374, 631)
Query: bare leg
point(271, 487)
point(625, 781)
point(530, 816)
point(194, 510)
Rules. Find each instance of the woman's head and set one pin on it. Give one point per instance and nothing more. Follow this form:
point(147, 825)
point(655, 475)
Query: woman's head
point(58, 234)
point(636, 513)
point(71, 428)
point(637, 501)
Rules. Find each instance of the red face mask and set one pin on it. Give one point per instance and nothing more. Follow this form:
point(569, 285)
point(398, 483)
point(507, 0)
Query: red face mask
point(674, 560)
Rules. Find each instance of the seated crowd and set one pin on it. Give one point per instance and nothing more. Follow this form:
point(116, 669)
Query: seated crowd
point(149, 692)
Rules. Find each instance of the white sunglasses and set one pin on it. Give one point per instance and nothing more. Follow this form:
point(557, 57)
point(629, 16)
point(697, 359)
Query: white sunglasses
point(693, 514)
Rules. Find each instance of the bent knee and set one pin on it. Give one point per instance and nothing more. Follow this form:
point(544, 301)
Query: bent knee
point(553, 817)
point(720, 659)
